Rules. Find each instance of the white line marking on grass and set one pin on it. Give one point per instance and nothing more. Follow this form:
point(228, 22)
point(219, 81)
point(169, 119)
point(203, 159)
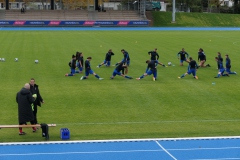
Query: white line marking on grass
point(236, 43)
point(149, 122)
point(95, 152)
point(165, 150)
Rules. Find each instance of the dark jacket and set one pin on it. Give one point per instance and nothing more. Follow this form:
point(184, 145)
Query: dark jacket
point(24, 99)
point(34, 90)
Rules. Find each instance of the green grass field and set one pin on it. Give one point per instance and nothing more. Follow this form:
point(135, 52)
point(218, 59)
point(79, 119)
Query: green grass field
point(121, 108)
point(185, 19)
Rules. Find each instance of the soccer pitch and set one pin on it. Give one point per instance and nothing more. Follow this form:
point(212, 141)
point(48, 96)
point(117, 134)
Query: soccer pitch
point(121, 108)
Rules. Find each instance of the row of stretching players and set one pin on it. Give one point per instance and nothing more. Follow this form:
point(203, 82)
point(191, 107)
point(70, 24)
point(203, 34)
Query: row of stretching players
point(202, 57)
point(151, 67)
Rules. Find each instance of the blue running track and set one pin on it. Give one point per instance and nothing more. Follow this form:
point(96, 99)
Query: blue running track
point(222, 148)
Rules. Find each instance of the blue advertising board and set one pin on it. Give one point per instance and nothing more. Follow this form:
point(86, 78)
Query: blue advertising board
point(74, 23)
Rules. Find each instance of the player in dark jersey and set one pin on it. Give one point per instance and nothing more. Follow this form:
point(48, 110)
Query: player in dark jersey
point(107, 60)
point(88, 70)
point(220, 58)
point(228, 65)
point(125, 60)
point(72, 65)
point(80, 63)
point(151, 69)
point(221, 68)
point(183, 56)
point(153, 54)
point(118, 70)
point(202, 58)
point(191, 68)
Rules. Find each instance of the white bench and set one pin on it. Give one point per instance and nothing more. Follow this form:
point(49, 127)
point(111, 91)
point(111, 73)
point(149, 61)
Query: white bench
point(44, 130)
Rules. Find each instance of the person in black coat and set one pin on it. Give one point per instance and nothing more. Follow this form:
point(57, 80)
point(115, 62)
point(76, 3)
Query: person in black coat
point(24, 99)
point(35, 90)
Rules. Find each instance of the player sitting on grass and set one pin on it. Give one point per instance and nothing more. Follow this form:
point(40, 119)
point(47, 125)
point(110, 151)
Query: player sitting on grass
point(88, 70)
point(221, 68)
point(192, 68)
point(151, 69)
point(118, 70)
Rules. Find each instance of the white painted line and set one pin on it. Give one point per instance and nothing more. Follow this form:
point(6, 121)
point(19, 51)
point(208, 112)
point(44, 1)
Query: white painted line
point(149, 122)
point(95, 152)
point(120, 140)
point(165, 150)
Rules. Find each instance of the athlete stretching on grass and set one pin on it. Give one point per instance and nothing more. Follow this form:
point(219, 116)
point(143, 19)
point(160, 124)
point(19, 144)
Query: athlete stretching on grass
point(107, 60)
point(125, 60)
point(191, 68)
point(88, 70)
point(202, 58)
point(118, 70)
point(221, 68)
point(220, 58)
point(80, 63)
point(228, 65)
point(151, 69)
point(72, 65)
point(183, 57)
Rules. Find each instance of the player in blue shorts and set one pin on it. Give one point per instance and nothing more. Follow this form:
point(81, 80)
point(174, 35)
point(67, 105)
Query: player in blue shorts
point(220, 58)
point(228, 65)
point(183, 56)
point(80, 63)
point(107, 60)
point(192, 68)
point(221, 68)
point(126, 58)
point(118, 70)
point(88, 70)
point(72, 65)
point(151, 69)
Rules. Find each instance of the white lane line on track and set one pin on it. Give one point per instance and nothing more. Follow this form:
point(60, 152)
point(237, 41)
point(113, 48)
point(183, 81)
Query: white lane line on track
point(90, 152)
point(165, 150)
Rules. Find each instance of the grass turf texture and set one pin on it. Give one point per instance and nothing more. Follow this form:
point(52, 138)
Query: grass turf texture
point(121, 108)
point(184, 19)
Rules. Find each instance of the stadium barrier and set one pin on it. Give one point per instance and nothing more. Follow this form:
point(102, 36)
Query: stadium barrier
point(23, 23)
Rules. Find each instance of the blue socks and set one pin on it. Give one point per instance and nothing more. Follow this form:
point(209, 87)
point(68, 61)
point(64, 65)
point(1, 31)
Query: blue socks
point(97, 76)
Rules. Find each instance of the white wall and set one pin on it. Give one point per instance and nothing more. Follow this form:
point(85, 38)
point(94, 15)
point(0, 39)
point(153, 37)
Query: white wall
point(113, 5)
